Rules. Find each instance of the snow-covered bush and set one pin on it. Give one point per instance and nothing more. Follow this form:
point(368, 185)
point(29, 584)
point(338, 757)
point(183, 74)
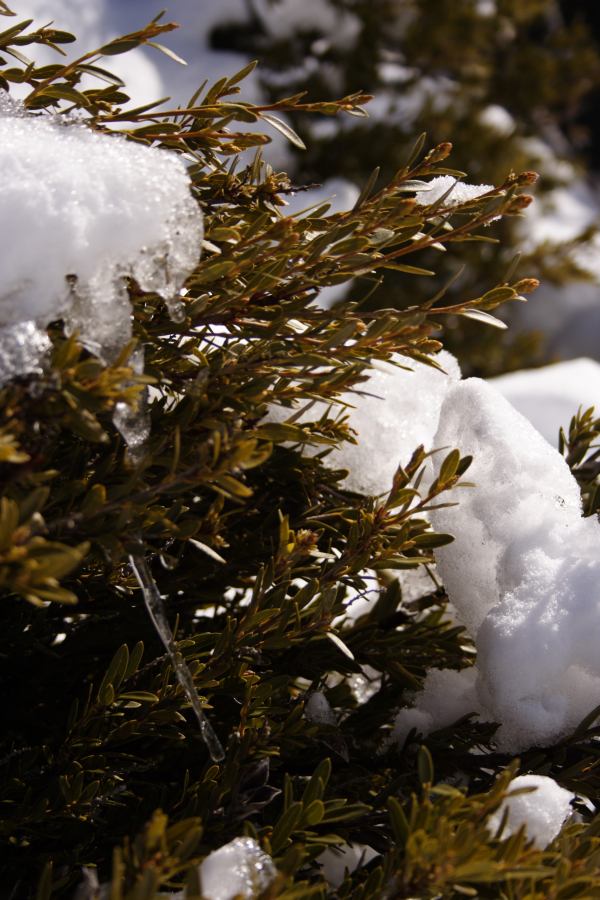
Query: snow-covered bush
point(222, 504)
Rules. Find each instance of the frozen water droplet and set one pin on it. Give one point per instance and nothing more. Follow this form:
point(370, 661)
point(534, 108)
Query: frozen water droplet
point(176, 308)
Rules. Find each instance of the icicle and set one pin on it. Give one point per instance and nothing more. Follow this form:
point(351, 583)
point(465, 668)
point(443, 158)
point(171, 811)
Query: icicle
point(134, 423)
point(156, 609)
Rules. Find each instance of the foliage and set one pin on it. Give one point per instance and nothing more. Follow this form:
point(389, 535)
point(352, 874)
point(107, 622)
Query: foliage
point(254, 548)
point(448, 68)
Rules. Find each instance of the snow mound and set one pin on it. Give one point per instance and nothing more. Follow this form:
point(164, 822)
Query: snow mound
point(550, 396)
point(238, 869)
point(522, 488)
point(542, 811)
point(397, 409)
point(82, 211)
point(523, 572)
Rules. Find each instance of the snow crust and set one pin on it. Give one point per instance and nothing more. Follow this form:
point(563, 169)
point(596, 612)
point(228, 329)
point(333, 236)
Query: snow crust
point(542, 811)
point(551, 395)
point(80, 212)
point(238, 869)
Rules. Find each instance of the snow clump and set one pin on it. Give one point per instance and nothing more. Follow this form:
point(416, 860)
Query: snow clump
point(542, 811)
point(460, 192)
point(80, 212)
point(238, 869)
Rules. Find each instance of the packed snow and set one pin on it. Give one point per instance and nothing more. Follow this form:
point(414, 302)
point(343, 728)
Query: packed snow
point(396, 409)
point(238, 869)
point(551, 395)
point(89, 210)
point(542, 808)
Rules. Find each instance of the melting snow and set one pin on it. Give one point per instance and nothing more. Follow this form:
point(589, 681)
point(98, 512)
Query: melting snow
point(80, 212)
point(238, 869)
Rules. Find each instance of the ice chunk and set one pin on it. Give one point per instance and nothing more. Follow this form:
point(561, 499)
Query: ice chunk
point(22, 350)
point(522, 488)
point(461, 192)
point(542, 810)
point(550, 396)
point(396, 410)
point(238, 869)
point(81, 211)
point(133, 423)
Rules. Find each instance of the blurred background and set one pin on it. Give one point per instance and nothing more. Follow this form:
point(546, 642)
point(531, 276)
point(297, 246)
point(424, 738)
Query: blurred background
point(514, 84)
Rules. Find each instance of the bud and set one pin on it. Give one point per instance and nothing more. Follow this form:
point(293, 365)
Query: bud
point(441, 152)
point(519, 203)
point(527, 178)
point(526, 285)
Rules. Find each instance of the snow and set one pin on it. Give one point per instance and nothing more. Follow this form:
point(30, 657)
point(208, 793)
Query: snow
point(542, 808)
point(486, 8)
point(523, 574)
point(396, 410)
point(89, 210)
point(289, 17)
point(461, 192)
point(149, 75)
point(447, 696)
point(551, 395)
point(336, 861)
point(522, 486)
point(497, 119)
point(339, 193)
point(238, 869)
